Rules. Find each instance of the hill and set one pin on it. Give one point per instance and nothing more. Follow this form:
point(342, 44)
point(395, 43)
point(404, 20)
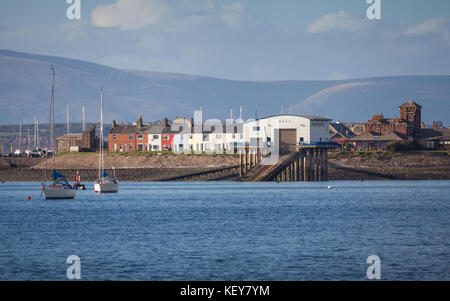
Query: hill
point(25, 91)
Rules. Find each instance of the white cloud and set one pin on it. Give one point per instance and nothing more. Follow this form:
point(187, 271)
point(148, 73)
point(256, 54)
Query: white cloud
point(129, 14)
point(340, 20)
point(436, 25)
point(233, 14)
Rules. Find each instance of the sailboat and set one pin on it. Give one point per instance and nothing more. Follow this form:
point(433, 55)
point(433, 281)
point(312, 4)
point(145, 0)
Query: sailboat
point(59, 188)
point(104, 183)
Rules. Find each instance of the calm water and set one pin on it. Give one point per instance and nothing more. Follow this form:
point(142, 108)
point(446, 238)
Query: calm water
point(229, 231)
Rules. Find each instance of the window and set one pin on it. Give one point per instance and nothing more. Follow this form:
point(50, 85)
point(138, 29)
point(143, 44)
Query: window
point(256, 128)
point(190, 136)
point(165, 137)
point(155, 137)
point(131, 147)
point(156, 147)
point(302, 139)
point(114, 137)
point(205, 137)
point(268, 139)
point(166, 147)
point(219, 136)
point(140, 147)
point(115, 147)
point(140, 137)
point(130, 136)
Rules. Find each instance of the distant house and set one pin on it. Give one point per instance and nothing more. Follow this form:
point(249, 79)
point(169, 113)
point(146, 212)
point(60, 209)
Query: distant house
point(408, 124)
point(141, 137)
point(128, 137)
point(434, 138)
point(340, 133)
point(82, 142)
point(369, 141)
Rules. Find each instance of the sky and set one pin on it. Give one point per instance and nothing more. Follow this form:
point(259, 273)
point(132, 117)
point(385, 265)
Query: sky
point(256, 40)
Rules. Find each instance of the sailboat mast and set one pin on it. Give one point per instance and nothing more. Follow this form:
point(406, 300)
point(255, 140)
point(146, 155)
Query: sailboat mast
point(101, 163)
point(52, 116)
point(84, 119)
point(68, 119)
point(20, 136)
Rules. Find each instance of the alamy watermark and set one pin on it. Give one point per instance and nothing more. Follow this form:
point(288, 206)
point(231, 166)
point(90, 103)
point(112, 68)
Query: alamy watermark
point(374, 10)
point(74, 270)
point(374, 270)
point(73, 12)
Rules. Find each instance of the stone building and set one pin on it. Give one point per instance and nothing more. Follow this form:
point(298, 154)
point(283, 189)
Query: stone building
point(82, 142)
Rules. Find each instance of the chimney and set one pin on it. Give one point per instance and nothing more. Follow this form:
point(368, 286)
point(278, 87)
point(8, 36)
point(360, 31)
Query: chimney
point(191, 122)
point(165, 122)
point(139, 121)
point(435, 125)
point(113, 124)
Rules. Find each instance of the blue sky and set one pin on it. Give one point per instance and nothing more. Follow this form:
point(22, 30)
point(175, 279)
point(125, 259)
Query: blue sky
point(239, 39)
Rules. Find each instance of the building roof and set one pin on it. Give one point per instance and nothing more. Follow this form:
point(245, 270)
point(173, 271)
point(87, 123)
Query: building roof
point(373, 137)
point(311, 117)
point(409, 104)
point(342, 130)
point(432, 134)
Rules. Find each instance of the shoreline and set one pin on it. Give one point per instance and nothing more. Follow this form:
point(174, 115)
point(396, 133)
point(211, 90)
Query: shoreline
point(145, 167)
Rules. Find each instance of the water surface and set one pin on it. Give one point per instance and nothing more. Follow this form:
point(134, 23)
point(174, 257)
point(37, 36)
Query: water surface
point(229, 231)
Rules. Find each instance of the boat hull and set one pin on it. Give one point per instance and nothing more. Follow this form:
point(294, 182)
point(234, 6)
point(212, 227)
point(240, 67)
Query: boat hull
point(59, 193)
point(106, 187)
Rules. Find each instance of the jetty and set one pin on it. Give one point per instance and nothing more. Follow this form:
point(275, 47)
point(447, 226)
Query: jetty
point(305, 163)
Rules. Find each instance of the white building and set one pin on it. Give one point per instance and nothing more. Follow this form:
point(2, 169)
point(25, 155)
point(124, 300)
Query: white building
point(288, 129)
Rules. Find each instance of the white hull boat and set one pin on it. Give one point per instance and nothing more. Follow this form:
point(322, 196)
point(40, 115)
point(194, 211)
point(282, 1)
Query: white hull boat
point(59, 193)
point(109, 187)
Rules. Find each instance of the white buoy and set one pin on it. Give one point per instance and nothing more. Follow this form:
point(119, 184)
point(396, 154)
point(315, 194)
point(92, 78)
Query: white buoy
point(329, 187)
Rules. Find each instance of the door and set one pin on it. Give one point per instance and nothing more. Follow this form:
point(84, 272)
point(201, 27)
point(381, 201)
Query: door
point(288, 140)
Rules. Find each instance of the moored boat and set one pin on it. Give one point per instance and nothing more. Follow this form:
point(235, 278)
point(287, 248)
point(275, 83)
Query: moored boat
point(104, 183)
point(60, 188)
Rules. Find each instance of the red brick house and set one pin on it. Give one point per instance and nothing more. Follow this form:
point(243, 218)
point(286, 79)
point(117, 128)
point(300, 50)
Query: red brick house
point(408, 124)
point(128, 137)
point(140, 137)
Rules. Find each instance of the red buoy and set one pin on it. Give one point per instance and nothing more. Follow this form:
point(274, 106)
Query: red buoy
point(95, 191)
point(28, 198)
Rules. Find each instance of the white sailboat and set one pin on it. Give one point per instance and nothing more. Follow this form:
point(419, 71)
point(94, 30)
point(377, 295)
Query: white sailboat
point(59, 188)
point(104, 183)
